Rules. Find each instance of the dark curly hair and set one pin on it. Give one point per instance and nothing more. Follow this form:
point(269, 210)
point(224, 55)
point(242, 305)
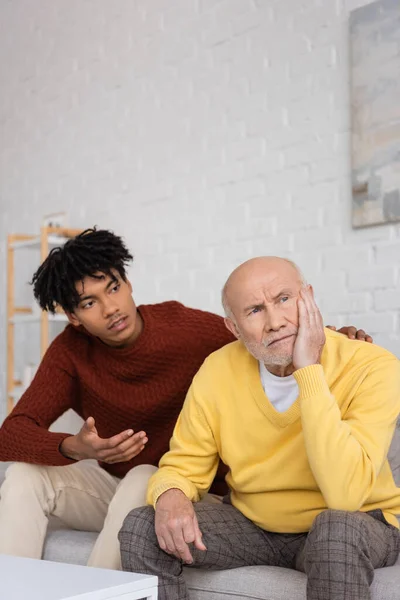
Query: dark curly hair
point(90, 252)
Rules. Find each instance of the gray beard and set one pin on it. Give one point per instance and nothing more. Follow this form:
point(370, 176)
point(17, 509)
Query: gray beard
point(279, 361)
point(256, 350)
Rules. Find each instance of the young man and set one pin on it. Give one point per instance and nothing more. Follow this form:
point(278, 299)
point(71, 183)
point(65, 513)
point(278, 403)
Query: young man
point(125, 371)
point(310, 484)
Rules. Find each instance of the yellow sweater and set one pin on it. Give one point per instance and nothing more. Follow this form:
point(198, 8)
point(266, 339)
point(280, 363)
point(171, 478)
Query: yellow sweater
point(328, 450)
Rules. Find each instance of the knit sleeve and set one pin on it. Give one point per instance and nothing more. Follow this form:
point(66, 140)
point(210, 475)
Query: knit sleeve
point(346, 453)
point(24, 435)
point(192, 461)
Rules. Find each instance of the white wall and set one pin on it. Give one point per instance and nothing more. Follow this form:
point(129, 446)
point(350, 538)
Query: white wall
point(203, 131)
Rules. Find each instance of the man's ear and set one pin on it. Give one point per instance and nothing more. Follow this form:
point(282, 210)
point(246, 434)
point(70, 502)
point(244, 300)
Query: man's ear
point(231, 325)
point(72, 319)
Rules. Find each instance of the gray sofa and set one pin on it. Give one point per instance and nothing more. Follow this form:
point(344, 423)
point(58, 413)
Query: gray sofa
point(250, 583)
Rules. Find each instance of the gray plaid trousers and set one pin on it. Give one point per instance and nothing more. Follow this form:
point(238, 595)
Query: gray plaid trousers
point(339, 553)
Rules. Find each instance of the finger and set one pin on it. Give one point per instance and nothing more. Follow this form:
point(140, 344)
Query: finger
point(198, 540)
point(126, 457)
point(360, 334)
point(316, 314)
point(173, 543)
point(332, 327)
point(90, 424)
point(306, 296)
point(181, 547)
point(351, 332)
point(138, 439)
point(134, 453)
point(312, 305)
point(162, 543)
point(188, 532)
point(364, 337)
point(304, 320)
point(116, 454)
point(165, 542)
point(113, 442)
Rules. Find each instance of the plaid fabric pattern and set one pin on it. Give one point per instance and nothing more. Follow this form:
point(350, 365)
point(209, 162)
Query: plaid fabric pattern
point(338, 555)
point(343, 549)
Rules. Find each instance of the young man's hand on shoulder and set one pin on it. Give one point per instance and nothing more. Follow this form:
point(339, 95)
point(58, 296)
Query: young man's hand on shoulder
point(353, 333)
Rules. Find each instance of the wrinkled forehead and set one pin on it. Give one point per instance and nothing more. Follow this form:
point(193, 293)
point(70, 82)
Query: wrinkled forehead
point(263, 286)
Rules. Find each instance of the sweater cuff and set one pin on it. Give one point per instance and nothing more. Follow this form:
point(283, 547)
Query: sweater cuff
point(157, 489)
point(311, 381)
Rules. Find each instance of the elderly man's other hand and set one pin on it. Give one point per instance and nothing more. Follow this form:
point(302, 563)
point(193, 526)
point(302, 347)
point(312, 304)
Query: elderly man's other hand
point(176, 525)
point(311, 336)
point(353, 333)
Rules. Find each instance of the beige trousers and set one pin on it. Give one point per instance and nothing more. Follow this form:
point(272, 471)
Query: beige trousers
point(82, 495)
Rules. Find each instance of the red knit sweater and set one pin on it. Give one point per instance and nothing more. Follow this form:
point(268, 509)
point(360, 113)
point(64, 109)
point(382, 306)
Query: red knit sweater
point(141, 387)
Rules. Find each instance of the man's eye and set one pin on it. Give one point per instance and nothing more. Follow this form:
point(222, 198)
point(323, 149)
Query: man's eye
point(255, 310)
point(115, 288)
point(284, 298)
point(88, 304)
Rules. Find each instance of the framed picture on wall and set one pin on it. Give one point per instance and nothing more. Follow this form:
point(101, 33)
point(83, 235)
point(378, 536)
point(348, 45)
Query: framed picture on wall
point(375, 111)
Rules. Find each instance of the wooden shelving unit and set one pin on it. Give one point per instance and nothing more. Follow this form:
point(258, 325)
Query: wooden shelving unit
point(18, 315)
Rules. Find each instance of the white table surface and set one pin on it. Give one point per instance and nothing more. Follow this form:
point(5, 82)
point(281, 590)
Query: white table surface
point(30, 579)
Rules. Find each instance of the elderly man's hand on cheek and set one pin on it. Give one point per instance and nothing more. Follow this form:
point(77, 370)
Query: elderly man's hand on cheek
point(311, 335)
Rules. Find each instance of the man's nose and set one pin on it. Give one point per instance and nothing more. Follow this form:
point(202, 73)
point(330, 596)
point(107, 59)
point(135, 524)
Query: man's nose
point(109, 308)
point(273, 320)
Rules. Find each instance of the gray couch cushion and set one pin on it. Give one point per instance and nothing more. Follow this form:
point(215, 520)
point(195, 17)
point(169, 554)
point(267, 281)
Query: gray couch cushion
point(255, 583)
point(273, 583)
point(3, 468)
point(69, 546)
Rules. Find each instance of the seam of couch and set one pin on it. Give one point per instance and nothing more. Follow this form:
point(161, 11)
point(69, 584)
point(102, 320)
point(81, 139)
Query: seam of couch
point(209, 590)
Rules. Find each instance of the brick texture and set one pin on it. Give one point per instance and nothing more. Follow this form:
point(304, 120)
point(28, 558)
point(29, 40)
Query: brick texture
point(205, 132)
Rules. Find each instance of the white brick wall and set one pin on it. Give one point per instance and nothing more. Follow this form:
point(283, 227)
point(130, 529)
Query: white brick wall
point(205, 132)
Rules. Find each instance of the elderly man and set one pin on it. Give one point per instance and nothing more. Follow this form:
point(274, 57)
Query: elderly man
point(303, 417)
